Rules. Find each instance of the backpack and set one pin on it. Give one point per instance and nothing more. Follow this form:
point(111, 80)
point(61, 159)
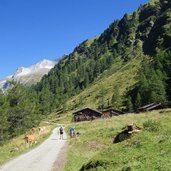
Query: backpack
point(61, 129)
point(71, 129)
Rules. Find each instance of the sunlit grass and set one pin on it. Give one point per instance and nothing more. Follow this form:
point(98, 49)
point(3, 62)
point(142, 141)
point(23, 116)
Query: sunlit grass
point(120, 74)
point(17, 146)
point(148, 150)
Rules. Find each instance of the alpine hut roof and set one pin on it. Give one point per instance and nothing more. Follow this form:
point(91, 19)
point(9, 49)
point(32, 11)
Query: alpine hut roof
point(87, 108)
point(149, 107)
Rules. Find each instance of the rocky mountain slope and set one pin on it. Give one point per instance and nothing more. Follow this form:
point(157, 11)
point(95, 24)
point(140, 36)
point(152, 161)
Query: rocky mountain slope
point(29, 75)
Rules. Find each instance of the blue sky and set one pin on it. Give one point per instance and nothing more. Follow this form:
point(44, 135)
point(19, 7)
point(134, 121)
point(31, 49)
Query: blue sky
point(31, 30)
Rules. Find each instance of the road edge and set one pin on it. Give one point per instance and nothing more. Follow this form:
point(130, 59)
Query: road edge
point(60, 162)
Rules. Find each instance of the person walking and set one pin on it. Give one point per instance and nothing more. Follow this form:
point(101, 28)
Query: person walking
point(61, 132)
point(72, 132)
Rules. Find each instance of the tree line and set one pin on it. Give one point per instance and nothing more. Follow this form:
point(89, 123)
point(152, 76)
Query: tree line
point(19, 111)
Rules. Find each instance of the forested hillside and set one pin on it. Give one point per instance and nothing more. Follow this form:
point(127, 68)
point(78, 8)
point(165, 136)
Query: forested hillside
point(144, 34)
point(18, 112)
point(132, 56)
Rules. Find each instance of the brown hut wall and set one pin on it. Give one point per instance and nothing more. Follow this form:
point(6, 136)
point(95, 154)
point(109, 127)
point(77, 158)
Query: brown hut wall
point(91, 113)
point(106, 114)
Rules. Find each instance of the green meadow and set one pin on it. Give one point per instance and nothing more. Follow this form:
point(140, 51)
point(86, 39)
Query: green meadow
point(147, 150)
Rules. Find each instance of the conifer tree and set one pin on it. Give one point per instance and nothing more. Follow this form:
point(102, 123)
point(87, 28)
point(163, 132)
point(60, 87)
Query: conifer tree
point(138, 101)
point(116, 97)
point(130, 105)
point(4, 125)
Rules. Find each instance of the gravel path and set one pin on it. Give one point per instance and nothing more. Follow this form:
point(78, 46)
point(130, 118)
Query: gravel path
point(41, 158)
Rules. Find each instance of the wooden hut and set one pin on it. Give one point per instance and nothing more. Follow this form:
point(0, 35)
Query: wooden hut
point(149, 107)
point(86, 114)
point(111, 112)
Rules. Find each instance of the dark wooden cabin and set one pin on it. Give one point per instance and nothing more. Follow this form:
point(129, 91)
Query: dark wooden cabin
point(111, 112)
point(149, 107)
point(86, 114)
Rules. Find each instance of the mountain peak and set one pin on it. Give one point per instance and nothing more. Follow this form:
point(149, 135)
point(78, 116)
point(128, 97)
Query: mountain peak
point(45, 63)
point(30, 75)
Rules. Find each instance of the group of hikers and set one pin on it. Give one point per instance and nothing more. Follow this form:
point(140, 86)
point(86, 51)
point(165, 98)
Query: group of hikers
point(71, 132)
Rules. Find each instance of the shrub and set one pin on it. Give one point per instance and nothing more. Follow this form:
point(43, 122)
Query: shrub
point(152, 126)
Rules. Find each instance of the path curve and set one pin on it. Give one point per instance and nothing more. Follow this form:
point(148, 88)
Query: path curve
point(40, 158)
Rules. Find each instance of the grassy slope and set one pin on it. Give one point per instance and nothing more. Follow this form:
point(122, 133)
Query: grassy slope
point(95, 142)
point(120, 74)
point(17, 146)
point(123, 75)
point(149, 150)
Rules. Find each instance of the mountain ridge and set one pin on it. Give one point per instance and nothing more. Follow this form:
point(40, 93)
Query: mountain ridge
point(29, 75)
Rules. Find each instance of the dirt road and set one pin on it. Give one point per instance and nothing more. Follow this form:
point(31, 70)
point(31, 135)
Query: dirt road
point(41, 158)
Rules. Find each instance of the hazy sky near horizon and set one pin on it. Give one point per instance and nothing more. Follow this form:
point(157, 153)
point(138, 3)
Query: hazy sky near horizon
point(31, 30)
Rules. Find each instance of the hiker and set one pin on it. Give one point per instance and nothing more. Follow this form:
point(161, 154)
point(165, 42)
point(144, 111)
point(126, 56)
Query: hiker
point(61, 132)
point(72, 132)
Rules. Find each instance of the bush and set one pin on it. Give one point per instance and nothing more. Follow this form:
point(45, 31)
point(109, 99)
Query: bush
point(98, 165)
point(152, 126)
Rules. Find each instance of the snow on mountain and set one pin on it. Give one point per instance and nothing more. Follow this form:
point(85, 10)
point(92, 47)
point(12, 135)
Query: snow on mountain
point(43, 65)
point(22, 71)
point(30, 75)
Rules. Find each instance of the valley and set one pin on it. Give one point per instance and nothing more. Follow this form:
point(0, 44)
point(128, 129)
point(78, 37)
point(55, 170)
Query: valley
point(126, 67)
